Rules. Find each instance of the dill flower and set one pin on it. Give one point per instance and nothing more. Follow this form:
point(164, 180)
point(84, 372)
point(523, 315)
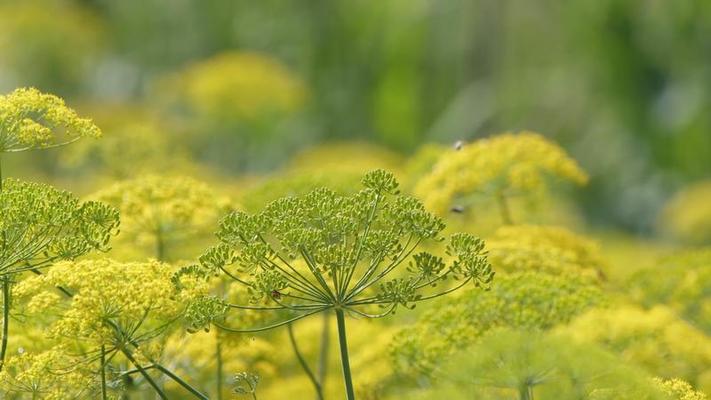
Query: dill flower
point(323, 251)
point(47, 375)
point(30, 119)
point(242, 85)
point(41, 225)
point(163, 210)
point(510, 164)
point(545, 248)
point(678, 389)
point(132, 295)
point(523, 300)
point(681, 281)
point(655, 339)
point(687, 216)
point(524, 365)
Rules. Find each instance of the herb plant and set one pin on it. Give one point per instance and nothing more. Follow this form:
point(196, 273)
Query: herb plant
point(40, 225)
point(352, 255)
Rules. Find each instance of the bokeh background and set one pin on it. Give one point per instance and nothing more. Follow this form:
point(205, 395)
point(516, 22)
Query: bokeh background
point(239, 87)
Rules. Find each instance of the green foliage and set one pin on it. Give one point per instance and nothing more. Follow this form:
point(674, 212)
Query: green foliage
point(246, 384)
point(524, 300)
point(41, 225)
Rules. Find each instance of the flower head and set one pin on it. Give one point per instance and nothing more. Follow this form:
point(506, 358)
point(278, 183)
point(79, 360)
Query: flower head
point(507, 164)
point(30, 119)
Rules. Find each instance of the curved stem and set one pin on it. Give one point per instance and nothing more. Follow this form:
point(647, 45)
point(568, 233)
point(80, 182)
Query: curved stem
point(342, 341)
point(265, 328)
point(302, 362)
point(5, 318)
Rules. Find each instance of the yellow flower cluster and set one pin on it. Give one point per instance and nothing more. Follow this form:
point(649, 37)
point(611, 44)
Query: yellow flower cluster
point(688, 215)
point(681, 281)
point(129, 294)
point(242, 85)
point(30, 119)
point(656, 339)
point(49, 375)
point(158, 209)
point(678, 389)
point(544, 248)
point(505, 165)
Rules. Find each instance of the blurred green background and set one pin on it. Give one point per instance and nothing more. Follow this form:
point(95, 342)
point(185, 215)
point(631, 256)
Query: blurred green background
point(238, 86)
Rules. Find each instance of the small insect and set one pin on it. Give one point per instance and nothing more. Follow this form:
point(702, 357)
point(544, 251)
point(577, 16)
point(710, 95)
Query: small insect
point(276, 294)
point(458, 145)
point(457, 209)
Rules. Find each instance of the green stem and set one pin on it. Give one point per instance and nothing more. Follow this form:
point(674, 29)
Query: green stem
point(525, 392)
point(304, 365)
point(160, 245)
point(504, 209)
point(342, 341)
point(145, 374)
point(218, 358)
point(5, 318)
point(103, 372)
point(323, 353)
point(181, 382)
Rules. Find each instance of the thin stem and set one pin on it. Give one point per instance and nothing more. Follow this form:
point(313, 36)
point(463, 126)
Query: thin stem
point(342, 341)
point(181, 382)
point(145, 374)
point(302, 362)
point(103, 373)
point(323, 352)
point(5, 318)
point(525, 392)
point(218, 359)
point(266, 328)
point(504, 208)
point(160, 245)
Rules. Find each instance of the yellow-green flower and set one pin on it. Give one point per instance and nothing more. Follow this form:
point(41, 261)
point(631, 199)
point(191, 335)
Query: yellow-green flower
point(687, 217)
point(509, 164)
point(30, 119)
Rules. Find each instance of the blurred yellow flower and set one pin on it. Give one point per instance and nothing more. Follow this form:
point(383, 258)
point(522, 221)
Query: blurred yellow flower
point(687, 216)
point(506, 165)
point(162, 210)
point(655, 339)
point(242, 85)
point(30, 119)
point(545, 248)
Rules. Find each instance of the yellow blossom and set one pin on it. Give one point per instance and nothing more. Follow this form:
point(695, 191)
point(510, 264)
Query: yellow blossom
point(545, 248)
point(30, 119)
point(687, 217)
point(162, 210)
point(509, 164)
point(242, 85)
